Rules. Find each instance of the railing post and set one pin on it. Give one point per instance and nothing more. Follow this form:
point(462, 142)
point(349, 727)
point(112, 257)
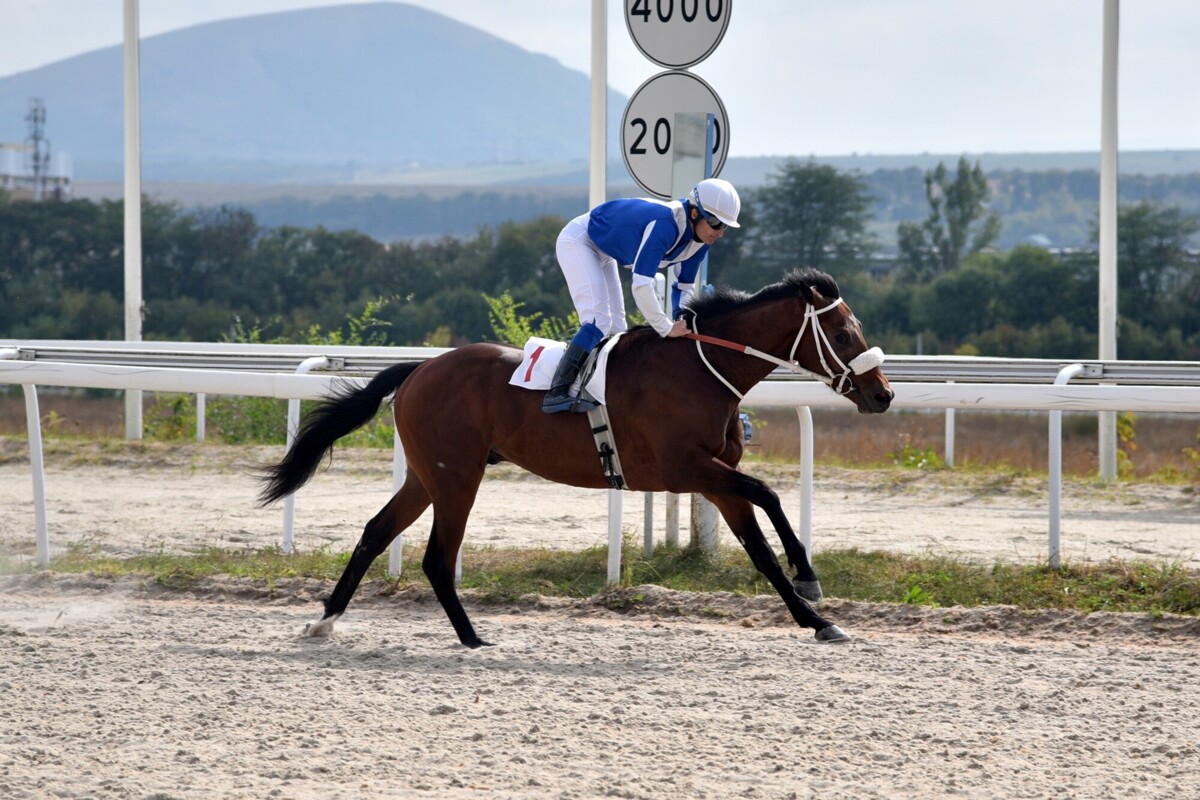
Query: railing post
point(648, 524)
point(399, 473)
point(806, 477)
point(948, 456)
point(201, 415)
point(293, 426)
point(1055, 544)
point(615, 506)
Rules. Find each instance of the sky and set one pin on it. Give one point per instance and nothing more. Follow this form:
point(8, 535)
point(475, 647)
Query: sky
point(809, 77)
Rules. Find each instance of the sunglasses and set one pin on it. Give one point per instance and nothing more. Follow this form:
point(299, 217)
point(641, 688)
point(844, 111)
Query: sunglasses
point(712, 221)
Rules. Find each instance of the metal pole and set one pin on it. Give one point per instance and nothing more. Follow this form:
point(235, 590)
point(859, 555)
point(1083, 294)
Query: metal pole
point(133, 210)
point(1107, 439)
point(399, 473)
point(1055, 546)
point(648, 524)
point(597, 193)
point(806, 478)
point(615, 504)
point(201, 416)
point(948, 456)
point(293, 426)
point(597, 163)
point(33, 423)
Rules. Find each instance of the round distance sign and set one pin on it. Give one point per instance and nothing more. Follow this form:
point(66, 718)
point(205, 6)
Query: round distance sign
point(646, 128)
point(677, 34)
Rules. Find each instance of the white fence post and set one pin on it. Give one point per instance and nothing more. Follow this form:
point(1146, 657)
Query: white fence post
point(948, 455)
point(1055, 511)
point(201, 415)
point(806, 477)
point(399, 473)
point(615, 504)
point(293, 427)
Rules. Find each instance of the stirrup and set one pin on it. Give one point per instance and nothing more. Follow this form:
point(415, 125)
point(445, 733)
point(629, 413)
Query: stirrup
point(553, 405)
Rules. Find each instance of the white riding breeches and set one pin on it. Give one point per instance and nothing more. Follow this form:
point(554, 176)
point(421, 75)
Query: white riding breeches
point(592, 278)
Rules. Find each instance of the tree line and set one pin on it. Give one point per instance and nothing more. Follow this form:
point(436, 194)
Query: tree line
point(219, 274)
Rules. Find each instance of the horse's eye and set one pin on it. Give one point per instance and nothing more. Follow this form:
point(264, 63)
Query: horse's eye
point(842, 338)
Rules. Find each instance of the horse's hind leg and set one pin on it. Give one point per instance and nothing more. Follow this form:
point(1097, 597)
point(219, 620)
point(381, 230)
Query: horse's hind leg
point(400, 512)
point(450, 512)
point(739, 514)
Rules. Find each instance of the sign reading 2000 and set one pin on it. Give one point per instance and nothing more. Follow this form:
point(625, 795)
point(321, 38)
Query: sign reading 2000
point(677, 34)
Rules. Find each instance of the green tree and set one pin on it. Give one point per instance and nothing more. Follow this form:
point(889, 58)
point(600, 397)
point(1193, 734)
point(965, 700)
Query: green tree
point(958, 224)
point(1158, 280)
point(810, 215)
point(958, 303)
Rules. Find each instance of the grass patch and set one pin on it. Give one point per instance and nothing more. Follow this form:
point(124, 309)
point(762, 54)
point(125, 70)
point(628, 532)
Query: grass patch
point(852, 574)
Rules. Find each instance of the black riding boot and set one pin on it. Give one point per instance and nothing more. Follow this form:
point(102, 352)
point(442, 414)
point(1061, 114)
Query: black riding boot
point(559, 396)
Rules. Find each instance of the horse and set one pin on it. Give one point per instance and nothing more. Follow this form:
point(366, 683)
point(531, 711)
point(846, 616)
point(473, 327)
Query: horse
point(673, 406)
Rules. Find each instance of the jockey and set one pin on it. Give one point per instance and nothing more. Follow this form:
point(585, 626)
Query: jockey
point(643, 235)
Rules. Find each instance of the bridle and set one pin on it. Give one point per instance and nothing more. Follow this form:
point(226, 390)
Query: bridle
point(839, 382)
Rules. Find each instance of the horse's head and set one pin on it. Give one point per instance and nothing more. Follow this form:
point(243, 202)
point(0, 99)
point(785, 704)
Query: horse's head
point(836, 348)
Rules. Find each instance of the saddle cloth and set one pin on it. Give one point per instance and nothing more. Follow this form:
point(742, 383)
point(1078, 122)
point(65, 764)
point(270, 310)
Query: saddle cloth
point(541, 358)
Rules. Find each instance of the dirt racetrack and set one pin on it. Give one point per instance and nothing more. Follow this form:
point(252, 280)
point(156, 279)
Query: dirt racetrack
point(123, 689)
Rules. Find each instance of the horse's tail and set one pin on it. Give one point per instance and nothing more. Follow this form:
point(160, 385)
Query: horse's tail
point(346, 410)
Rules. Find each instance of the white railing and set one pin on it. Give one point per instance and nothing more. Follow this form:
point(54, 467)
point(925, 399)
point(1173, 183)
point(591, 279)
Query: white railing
point(270, 371)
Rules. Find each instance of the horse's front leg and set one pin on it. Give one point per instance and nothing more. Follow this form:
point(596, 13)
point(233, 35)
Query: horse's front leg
point(764, 497)
point(739, 514)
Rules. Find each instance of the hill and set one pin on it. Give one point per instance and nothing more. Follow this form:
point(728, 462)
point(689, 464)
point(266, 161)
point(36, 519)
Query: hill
point(323, 95)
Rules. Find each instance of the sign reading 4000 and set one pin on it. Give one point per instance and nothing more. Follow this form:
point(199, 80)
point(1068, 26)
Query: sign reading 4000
point(677, 34)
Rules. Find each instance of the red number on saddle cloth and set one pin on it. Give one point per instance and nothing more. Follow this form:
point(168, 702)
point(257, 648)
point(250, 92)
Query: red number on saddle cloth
point(533, 359)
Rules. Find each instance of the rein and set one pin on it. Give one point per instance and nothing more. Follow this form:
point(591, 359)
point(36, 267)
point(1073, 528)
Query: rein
point(837, 381)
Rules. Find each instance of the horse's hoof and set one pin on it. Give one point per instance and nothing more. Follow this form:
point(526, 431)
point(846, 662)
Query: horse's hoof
point(832, 633)
point(809, 590)
point(478, 643)
point(323, 627)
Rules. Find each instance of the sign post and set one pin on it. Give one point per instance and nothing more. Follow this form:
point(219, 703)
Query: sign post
point(675, 133)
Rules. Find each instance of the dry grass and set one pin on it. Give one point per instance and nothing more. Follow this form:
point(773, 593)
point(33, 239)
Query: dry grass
point(1011, 441)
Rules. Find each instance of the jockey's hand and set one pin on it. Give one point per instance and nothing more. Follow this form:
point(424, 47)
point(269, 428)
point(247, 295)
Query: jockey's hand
point(678, 329)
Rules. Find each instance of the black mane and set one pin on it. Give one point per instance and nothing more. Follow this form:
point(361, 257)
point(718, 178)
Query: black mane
point(724, 299)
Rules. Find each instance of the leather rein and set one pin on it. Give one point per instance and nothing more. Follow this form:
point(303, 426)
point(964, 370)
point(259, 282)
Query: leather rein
point(837, 381)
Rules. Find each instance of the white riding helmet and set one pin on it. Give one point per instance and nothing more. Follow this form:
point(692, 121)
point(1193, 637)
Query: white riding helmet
point(718, 198)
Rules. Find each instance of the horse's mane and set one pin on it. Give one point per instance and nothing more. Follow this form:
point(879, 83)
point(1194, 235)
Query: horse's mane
point(724, 299)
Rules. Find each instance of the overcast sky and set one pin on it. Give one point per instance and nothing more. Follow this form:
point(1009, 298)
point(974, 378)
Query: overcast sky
point(798, 77)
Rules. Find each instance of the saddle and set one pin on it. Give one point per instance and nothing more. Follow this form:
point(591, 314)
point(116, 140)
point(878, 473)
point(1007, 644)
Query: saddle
point(535, 372)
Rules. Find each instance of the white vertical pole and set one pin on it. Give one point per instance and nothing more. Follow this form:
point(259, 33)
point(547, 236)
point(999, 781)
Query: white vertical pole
point(615, 503)
point(948, 456)
point(1107, 440)
point(33, 423)
point(1055, 506)
point(597, 193)
point(399, 473)
point(293, 427)
point(201, 416)
point(648, 524)
point(806, 478)
point(598, 152)
point(133, 211)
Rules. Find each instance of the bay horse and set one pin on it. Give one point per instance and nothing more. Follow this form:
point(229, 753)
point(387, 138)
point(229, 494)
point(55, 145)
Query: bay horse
point(673, 405)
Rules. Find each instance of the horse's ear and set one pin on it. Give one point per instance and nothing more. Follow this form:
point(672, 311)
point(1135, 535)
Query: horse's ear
point(811, 295)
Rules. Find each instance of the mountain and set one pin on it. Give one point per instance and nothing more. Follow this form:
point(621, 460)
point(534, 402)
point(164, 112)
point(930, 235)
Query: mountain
point(335, 94)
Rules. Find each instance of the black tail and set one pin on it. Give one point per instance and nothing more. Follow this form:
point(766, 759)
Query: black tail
point(346, 410)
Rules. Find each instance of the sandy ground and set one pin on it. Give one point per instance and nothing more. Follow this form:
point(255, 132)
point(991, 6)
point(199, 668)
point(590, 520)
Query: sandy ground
point(123, 689)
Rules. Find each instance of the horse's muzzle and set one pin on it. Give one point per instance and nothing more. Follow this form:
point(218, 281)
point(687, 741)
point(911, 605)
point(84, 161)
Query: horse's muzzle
point(874, 395)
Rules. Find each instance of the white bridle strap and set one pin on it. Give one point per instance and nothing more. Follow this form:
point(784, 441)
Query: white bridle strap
point(838, 381)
